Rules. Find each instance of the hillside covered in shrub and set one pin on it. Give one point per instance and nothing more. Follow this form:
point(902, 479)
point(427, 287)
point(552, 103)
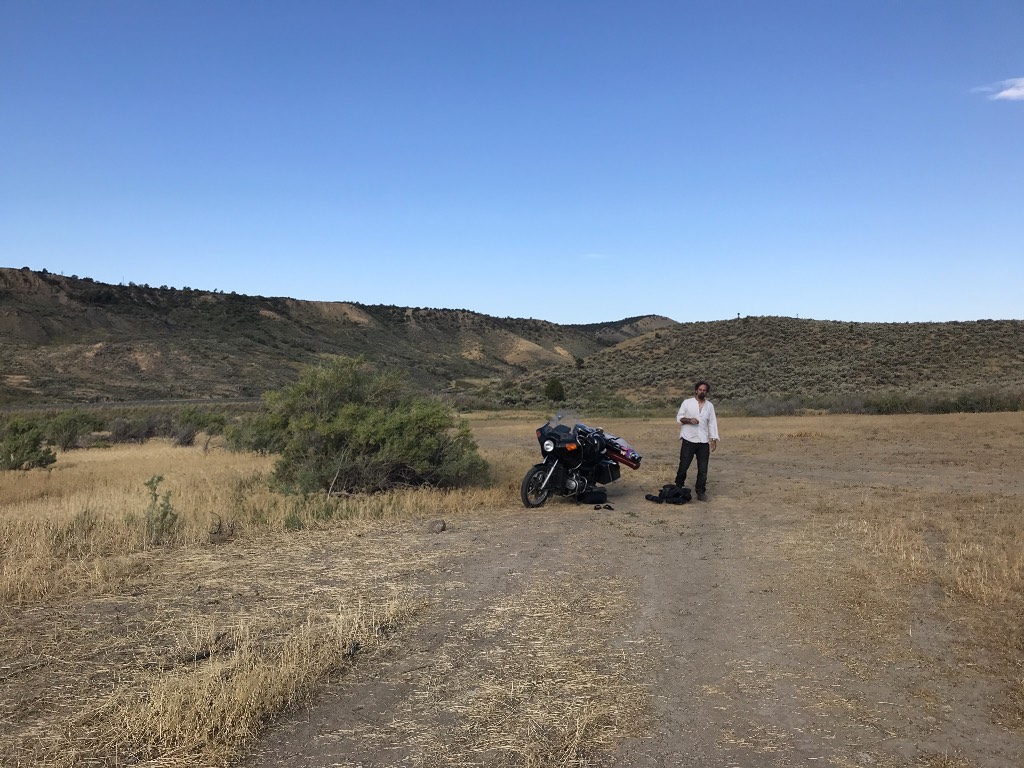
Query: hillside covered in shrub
point(73, 340)
point(835, 365)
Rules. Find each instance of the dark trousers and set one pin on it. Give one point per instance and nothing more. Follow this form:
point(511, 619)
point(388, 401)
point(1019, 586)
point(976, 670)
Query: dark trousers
point(687, 451)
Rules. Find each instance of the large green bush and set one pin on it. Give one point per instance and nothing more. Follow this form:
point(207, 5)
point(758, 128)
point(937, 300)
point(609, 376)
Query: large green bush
point(345, 426)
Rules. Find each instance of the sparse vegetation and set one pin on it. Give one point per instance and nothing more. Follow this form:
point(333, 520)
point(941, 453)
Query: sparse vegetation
point(777, 365)
point(156, 343)
point(159, 343)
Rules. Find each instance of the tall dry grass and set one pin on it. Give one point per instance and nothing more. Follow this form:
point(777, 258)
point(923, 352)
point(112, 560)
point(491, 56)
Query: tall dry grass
point(120, 648)
point(82, 525)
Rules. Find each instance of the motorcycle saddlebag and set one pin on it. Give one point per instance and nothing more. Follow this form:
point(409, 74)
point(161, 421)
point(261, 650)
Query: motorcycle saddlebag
point(607, 472)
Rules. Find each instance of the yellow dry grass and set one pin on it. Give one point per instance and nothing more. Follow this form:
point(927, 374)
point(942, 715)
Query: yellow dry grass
point(915, 516)
point(118, 650)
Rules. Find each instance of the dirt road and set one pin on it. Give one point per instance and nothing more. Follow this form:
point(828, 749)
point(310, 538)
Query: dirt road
point(745, 631)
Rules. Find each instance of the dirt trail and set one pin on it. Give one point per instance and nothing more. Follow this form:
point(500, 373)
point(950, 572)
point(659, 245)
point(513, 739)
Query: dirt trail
point(734, 677)
point(727, 620)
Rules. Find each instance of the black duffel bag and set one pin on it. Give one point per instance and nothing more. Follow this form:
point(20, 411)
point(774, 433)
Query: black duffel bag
point(671, 494)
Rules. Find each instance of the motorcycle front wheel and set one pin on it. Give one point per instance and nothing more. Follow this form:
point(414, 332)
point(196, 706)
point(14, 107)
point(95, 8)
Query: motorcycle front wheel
point(530, 491)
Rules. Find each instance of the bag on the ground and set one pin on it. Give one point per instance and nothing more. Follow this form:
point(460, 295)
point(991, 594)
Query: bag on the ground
point(671, 494)
point(593, 496)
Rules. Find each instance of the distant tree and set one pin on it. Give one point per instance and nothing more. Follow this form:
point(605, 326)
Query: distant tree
point(554, 390)
point(68, 427)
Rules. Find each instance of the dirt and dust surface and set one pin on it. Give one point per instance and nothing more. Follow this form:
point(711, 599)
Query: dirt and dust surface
point(720, 633)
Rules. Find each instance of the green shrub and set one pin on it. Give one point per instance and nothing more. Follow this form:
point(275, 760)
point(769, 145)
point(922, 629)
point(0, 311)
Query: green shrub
point(262, 432)
point(161, 517)
point(21, 446)
point(184, 434)
point(189, 421)
point(138, 429)
point(67, 429)
point(347, 427)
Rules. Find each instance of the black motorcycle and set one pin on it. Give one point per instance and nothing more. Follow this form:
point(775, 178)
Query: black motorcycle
point(576, 460)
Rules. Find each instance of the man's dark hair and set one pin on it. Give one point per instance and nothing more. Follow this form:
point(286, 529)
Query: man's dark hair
point(697, 386)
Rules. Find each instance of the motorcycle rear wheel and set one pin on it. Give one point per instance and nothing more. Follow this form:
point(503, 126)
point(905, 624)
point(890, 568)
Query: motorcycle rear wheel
point(530, 491)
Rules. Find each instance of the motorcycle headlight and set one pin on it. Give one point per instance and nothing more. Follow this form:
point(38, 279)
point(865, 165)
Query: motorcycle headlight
point(548, 446)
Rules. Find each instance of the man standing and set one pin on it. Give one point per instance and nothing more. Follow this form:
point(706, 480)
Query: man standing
point(698, 436)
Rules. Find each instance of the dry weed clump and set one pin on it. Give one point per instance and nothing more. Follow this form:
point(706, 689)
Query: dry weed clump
point(203, 649)
point(984, 549)
point(550, 703)
point(208, 710)
point(971, 544)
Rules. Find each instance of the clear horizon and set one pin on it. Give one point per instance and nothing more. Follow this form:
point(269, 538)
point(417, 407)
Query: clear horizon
point(576, 163)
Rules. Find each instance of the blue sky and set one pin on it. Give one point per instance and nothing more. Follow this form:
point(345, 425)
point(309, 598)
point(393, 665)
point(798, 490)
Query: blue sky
point(569, 161)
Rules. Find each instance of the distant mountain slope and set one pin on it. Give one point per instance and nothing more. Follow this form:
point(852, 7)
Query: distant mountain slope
point(72, 339)
point(778, 357)
point(66, 339)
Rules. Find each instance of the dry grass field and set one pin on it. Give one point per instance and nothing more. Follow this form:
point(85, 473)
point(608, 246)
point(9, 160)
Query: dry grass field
point(853, 594)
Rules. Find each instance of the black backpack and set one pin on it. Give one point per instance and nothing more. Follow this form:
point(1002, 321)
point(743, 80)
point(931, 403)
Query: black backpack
point(593, 496)
point(671, 494)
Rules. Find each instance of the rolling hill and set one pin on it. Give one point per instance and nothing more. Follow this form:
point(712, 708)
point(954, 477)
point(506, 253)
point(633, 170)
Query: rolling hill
point(773, 358)
point(70, 339)
point(74, 340)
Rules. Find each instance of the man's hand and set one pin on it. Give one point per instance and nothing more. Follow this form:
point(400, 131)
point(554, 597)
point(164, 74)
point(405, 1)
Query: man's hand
point(714, 444)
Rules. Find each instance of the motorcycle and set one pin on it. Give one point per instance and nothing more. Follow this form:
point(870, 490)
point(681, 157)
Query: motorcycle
point(576, 460)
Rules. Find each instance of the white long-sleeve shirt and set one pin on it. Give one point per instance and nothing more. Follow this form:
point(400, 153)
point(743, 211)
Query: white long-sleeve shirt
point(702, 432)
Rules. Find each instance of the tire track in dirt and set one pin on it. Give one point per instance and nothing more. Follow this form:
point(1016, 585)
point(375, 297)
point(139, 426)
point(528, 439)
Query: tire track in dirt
point(520, 601)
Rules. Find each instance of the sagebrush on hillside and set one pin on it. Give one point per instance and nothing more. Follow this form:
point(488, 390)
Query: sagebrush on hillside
point(74, 340)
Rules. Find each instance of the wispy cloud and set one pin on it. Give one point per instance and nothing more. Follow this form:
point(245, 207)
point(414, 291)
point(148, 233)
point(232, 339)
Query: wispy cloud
point(1005, 90)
